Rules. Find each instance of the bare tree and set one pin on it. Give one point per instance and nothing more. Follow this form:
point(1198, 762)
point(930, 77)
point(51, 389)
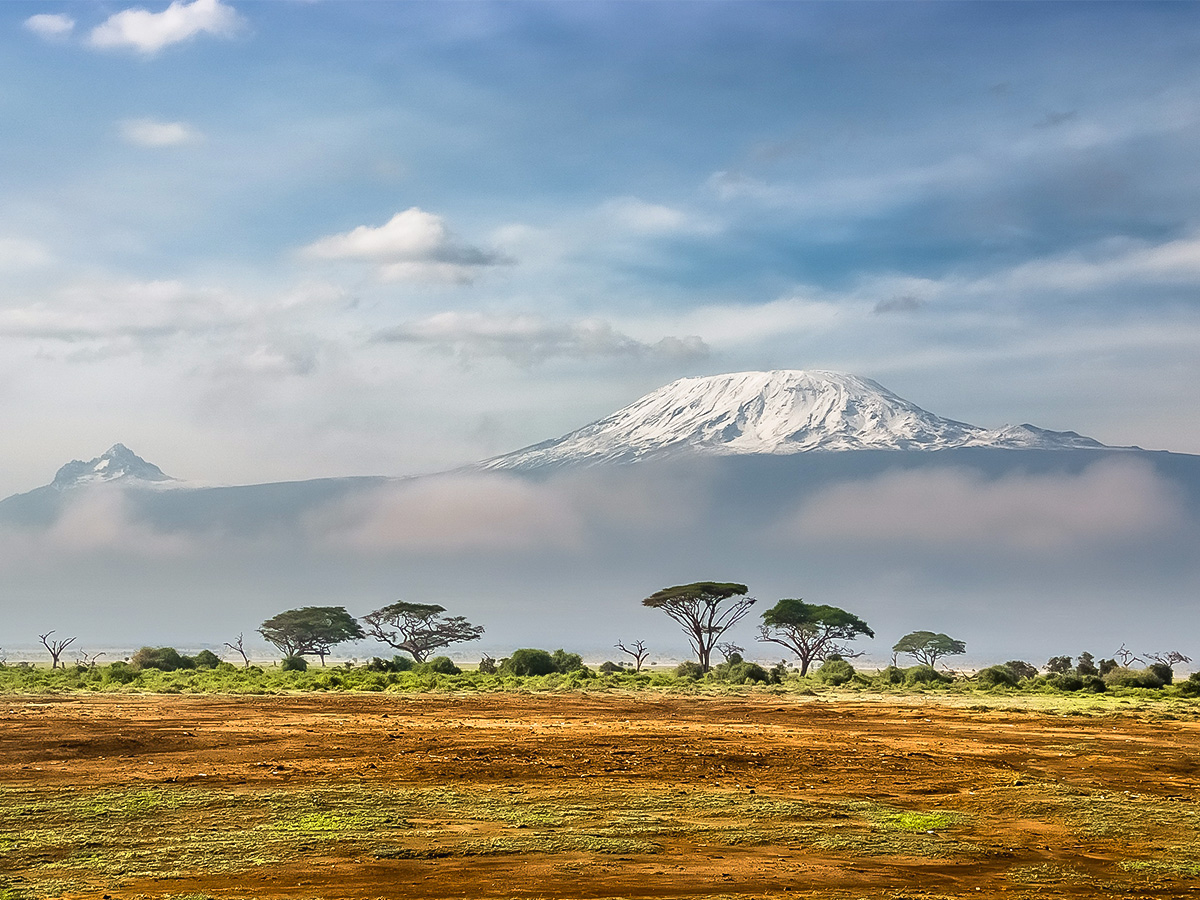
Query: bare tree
point(89, 661)
point(55, 647)
point(240, 649)
point(637, 650)
point(1126, 657)
point(1170, 658)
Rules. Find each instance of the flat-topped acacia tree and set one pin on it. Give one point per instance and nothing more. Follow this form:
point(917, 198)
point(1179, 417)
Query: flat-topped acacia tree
point(419, 628)
point(310, 629)
point(927, 648)
point(812, 631)
point(705, 610)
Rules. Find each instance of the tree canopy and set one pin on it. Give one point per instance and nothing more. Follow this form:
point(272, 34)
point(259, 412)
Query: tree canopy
point(927, 647)
point(705, 610)
point(811, 631)
point(310, 629)
point(419, 628)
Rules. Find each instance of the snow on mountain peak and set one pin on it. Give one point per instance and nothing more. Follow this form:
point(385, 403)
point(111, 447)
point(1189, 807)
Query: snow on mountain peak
point(118, 463)
point(780, 412)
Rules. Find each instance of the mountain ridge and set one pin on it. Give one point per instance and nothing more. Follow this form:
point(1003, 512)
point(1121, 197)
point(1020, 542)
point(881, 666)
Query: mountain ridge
point(784, 411)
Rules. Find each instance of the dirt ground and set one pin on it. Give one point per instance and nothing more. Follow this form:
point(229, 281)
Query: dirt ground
point(565, 796)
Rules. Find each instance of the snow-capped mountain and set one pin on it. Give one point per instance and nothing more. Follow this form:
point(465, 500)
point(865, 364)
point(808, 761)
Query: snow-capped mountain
point(780, 412)
point(118, 463)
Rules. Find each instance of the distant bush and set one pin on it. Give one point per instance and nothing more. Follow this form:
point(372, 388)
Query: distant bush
point(778, 672)
point(736, 670)
point(487, 666)
point(118, 673)
point(608, 667)
point(1021, 669)
point(689, 668)
point(165, 659)
point(891, 675)
point(1066, 681)
point(1162, 671)
point(528, 661)
point(294, 664)
point(835, 671)
point(925, 675)
point(567, 662)
point(395, 664)
point(1191, 687)
point(439, 665)
point(1133, 678)
point(206, 659)
point(1058, 665)
point(997, 676)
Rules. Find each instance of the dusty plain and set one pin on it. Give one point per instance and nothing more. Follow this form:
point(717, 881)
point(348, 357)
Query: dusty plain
point(576, 795)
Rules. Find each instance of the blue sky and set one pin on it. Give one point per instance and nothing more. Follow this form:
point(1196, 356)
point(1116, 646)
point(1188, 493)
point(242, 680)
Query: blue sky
point(260, 241)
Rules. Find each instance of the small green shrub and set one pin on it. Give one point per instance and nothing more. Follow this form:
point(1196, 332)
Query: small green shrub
point(608, 667)
point(165, 659)
point(997, 676)
point(528, 661)
point(778, 672)
point(925, 675)
point(294, 664)
point(206, 659)
point(439, 665)
point(689, 668)
point(741, 672)
point(835, 671)
point(487, 666)
point(395, 664)
point(118, 673)
point(567, 662)
point(891, 675)
point(1021, 669)
point(1133, 678)
point(1162, 671)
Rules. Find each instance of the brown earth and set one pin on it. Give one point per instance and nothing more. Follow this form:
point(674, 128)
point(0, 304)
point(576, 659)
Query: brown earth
point(577, 795)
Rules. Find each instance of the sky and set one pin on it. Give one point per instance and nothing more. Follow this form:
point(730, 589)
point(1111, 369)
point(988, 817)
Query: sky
point(271, 241)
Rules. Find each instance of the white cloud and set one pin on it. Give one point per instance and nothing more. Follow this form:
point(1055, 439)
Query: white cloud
point(452, 513)
point(153, 133)
point(412, 245)
point(148, 32)
point(633, 214)
point(528, 339)
point(20, 253)
point(50, 26)
point(1111, 503)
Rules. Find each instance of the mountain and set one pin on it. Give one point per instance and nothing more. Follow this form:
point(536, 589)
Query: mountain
point(117, 463)
point(777, 413)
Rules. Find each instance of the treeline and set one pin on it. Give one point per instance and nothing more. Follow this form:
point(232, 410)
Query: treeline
point(814, 634)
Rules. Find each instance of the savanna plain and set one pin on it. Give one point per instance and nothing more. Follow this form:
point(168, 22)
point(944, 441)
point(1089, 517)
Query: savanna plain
point(598, 794)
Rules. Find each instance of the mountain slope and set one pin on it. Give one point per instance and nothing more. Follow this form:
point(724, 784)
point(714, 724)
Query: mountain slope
point(780, 412)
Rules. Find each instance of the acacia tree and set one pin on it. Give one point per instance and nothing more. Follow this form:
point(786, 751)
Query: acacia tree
point(310, 630)
point(705, 610)
point(55, 647)
point(419, 628)
point(927, 648)
point(811, 631)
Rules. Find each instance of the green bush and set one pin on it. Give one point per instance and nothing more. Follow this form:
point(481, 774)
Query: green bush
point(997, 676)
point(528, 661)
point(1133, 678)
point(206, 659)
point(925, 675)
point(891, 675)
point(395, 664)
point(294, 664)
point(689, 668)
point(778, 672)
point(1066, 681)
point(487, 666)
point(1162, 671)
point(608, 667)
point(118, 673)
point(567, 662)
point(740, 672)
point(1021, 669)
point(165, 659)
point(835, 671)
point(439, 665)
